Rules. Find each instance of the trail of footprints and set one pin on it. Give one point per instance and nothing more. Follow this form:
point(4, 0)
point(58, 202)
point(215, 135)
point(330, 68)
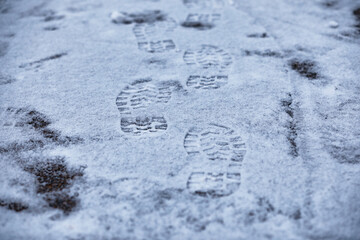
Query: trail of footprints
point(138, 102)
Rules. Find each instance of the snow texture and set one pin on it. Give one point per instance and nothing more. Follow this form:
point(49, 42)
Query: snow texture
point(180, 119)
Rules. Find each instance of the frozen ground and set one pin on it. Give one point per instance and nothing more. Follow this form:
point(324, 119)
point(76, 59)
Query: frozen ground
point(170, 119)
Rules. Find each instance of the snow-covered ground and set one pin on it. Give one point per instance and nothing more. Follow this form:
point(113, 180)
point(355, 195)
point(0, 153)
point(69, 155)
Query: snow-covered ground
point(180, 119)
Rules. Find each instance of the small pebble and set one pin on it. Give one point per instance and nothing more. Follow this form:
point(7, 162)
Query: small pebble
point(117, 17)
point(333, 24)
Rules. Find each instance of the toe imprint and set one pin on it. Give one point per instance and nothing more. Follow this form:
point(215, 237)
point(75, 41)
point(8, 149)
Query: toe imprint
point(208, 57)
point(141, 94)
point(217, 143)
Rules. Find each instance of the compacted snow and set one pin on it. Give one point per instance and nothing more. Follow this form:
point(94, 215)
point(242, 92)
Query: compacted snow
point(180, 119)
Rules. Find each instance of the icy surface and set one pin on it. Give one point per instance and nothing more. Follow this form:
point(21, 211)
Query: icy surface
point(171, 119)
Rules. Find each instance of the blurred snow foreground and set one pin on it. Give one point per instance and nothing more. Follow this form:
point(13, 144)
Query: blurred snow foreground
point(170, 119)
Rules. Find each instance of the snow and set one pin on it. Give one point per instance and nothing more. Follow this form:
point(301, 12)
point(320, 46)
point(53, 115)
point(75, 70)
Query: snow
point(98, 100)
